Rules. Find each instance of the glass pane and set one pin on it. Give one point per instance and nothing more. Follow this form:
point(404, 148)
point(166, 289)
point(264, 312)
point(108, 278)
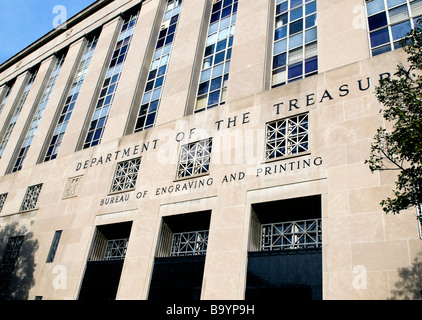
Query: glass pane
point(392, 3)
point(311, 50)
point(296, 27)
point(282, 7)
point(296, 40)
point(214, 98)
point(281, 20)
point(399, 14)
point(205, 75)
point(310, 21)
point(311, 65)
point(201, 103)
point(295, 55)
point(379, 37)
point(375, 6)
point(377, 21)
point(280, 33)
point(280, 46)
point(311, 7)
point(310, 35)
point(279, 76)
point(295, 3)
point(400, 30)
point(296, 14)
point(295, 70)
point(279, 60)
point(416, 7)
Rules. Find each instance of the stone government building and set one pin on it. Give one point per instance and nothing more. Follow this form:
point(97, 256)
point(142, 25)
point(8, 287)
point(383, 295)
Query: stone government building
point(203, 149)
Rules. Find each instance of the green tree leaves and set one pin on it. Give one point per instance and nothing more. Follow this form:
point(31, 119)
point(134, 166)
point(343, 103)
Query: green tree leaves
point(401, 148)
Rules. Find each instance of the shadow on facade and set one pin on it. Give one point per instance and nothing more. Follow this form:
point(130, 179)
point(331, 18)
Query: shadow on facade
point(17, 262)
point(410, 285)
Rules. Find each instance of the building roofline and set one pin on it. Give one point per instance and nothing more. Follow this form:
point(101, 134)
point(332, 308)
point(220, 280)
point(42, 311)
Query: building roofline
point(88, 11)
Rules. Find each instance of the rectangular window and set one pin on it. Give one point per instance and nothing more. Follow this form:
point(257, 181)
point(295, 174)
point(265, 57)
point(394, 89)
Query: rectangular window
point(108, 90)
point(8, 262)
point(8, 88)
point(110, 242)
point(189, 243)
point(295, 50)
point(389, 21)
point(126, 175)
point(159, 66)
point(184, 235)
point(116, 249)
point(31, 197)
point(195, 158)
point(70, 102)
point(288, 136)
point(2, 200)
point(23, 151)
point(17, 112)
point(54, 245)
point(291, 235)
point(217, 56)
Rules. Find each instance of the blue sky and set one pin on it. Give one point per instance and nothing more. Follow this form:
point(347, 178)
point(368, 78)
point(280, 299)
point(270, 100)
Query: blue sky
point(24, 21)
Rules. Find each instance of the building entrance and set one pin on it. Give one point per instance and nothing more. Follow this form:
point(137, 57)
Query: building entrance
point(285, 256)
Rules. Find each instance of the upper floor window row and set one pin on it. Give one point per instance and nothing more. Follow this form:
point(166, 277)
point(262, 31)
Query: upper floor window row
point(295, 52)
point(389, 21)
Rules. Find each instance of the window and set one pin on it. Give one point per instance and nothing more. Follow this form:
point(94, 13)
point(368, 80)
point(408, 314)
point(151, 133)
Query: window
point(54, 245)
point(291, 235)
point(295, 50)
point(389, 21)
point(72, 96)
point(116, 249)
point(2, 200)
point(159, 66)
point(23, 151)
point(287, 137)
point(31, 197)
point(195, 158)
point(189, 243)
point(8, 262)
point(288, 224)
point(110, 242)
point(108, 90)
point(126, 175)
point(17, 112)
point(8, 88)
point(184, 235)
point(217, 56)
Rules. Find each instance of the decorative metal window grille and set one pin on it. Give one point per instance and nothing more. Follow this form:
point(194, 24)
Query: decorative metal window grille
point(31, 197)
point(17, 112)
point(189, 243)
point(159, 66)
point(389, 21)
point(8, 261)
point(126, 175)
point(70, 102)
point(54, 245)
point(287, 136)
point(108, 90)
point(295, 52)
point(217, 56)
point(116, 249)
point(195, 158)
point(2, 200)
point(38, 115)
point(291, 235)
